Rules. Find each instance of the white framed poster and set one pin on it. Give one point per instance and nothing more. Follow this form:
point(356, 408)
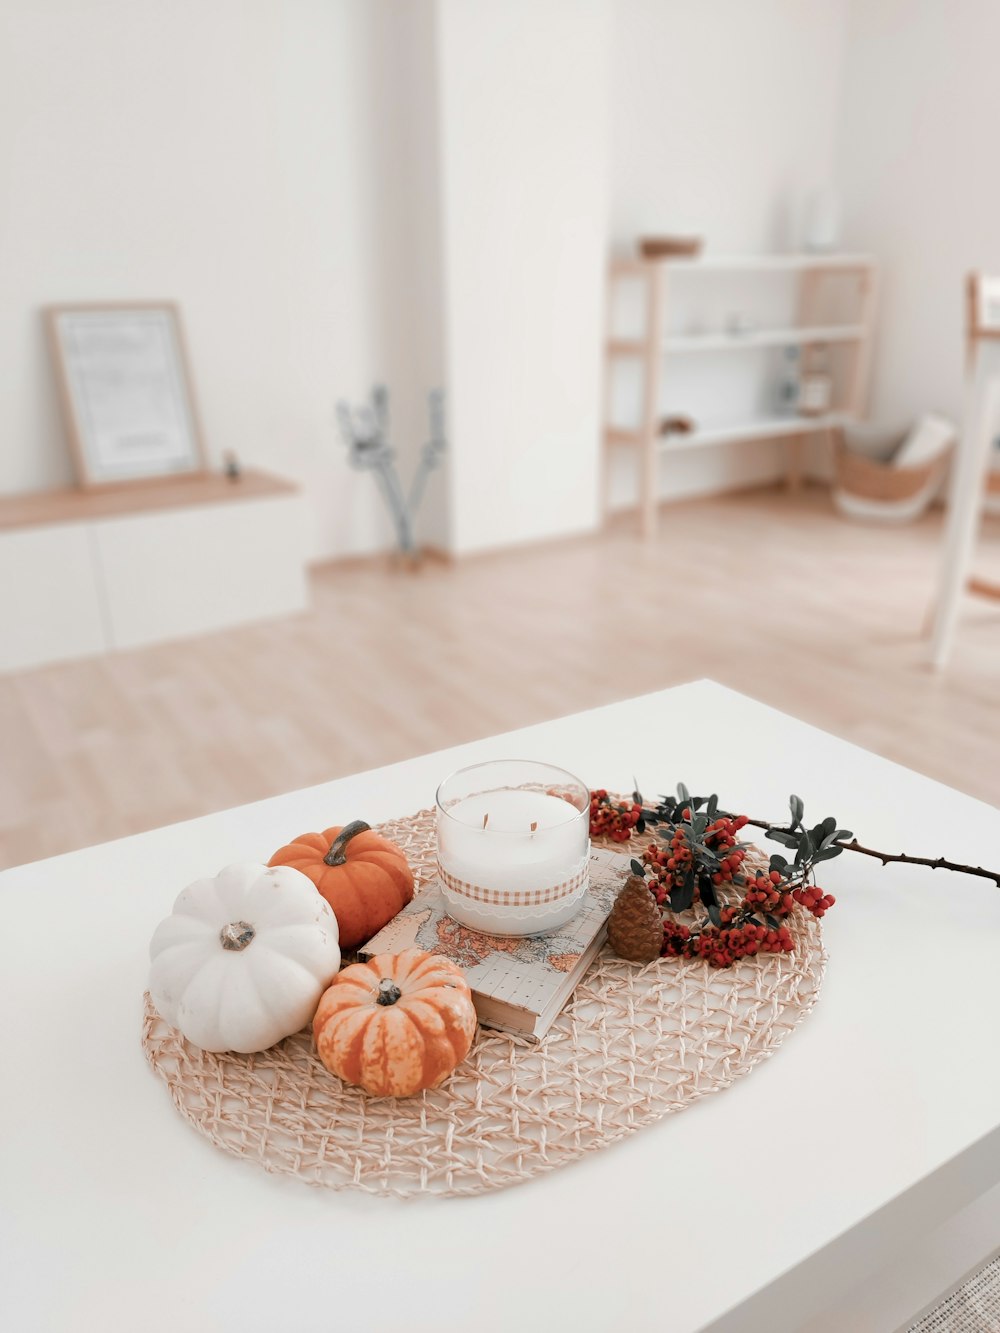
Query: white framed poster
point(126, 394)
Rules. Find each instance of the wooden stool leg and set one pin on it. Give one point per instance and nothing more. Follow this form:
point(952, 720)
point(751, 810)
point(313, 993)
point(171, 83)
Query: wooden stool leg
point(964, 505)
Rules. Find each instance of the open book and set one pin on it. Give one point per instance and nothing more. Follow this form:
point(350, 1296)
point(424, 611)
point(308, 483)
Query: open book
point(519, 984)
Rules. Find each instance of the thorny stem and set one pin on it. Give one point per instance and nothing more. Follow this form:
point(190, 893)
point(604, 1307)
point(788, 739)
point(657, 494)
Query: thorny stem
point(934, 862)
point(887, 858)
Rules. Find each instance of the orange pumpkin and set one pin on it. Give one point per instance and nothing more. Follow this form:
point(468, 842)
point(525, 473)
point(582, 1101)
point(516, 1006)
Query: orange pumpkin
point(397, 1024)
point(364, 878)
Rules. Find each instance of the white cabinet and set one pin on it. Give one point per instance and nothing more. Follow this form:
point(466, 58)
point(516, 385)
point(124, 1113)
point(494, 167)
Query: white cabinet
point(190, 571)
point(50, 603)
point(114, 574)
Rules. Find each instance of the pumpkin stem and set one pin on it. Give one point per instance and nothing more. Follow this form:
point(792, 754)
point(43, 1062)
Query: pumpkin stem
point(336, 856)
point(388, 992)
point(236, 935)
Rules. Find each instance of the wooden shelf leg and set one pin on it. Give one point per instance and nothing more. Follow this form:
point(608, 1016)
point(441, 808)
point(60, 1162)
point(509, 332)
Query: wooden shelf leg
point(648, 498)
point(652, 355)
point(794, 449)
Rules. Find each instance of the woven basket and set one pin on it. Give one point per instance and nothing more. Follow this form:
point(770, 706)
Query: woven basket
point(871, 480)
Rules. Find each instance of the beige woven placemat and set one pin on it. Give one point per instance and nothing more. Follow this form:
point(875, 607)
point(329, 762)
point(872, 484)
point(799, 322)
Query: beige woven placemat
point(632, 1045)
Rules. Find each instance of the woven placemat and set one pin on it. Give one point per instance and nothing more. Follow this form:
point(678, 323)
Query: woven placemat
point(632, 1045)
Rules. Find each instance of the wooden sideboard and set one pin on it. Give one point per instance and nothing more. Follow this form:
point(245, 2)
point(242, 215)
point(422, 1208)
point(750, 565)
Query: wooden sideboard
point(85, 572)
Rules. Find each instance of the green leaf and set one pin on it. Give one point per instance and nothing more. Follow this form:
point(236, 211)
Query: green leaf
point(713, 807)
point(827, 854)
point(772, 921)
point(706, 891)
point(683, 795)
point(682, 895)
point(777, 862)
point(638, 868)
point(805, 849)
point(783, 836)
point(797, 807)
point(714, 915)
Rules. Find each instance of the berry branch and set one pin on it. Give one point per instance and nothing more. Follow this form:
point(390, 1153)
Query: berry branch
point(701, 859)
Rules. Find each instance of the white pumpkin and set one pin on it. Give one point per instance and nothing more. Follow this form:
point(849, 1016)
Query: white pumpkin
point(244, 958)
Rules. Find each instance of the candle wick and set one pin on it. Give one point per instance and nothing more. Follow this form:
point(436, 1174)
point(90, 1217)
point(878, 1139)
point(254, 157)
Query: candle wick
point(534, 826)
point(486, 819)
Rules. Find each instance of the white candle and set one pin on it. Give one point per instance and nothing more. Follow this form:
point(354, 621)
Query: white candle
point(513, 846)
point(487, 839)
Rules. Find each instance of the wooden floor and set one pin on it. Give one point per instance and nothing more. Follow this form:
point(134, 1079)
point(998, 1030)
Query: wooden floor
point(767, 592)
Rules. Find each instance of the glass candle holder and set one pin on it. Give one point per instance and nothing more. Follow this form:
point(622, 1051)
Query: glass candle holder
point(513, 846)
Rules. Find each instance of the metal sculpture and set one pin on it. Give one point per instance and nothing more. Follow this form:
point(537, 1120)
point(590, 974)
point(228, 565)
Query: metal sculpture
point(365, 432)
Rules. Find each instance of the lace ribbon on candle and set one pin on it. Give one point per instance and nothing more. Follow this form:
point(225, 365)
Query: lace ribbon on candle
point(515, 897)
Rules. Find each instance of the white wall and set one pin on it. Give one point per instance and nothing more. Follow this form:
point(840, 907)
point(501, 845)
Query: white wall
point(242, 158)
point(338, 191)
point(524, 122)
point(918, 161)
point(724, 116)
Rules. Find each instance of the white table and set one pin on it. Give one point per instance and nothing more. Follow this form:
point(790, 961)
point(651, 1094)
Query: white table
point(876, 1119)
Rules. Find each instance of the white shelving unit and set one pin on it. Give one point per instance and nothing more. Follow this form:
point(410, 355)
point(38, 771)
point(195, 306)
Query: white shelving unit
point(654, 345)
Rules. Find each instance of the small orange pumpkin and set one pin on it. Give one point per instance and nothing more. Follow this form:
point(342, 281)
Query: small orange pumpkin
point(397, 1024)
point(364, 878)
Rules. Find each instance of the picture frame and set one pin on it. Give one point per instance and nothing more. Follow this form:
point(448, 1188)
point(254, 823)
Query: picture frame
point(124, 384)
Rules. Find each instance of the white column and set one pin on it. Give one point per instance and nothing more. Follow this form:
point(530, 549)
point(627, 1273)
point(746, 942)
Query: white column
point(524, 114)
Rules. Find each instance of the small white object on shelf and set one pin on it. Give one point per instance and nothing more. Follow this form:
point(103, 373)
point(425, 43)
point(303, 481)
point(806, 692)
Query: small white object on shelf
point(821, 220)
point(816, 393)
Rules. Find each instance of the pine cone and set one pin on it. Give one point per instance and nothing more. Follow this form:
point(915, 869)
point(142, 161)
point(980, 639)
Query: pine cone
point(635, 926)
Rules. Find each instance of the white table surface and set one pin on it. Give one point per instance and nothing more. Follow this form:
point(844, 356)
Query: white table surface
point(877, 1118)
